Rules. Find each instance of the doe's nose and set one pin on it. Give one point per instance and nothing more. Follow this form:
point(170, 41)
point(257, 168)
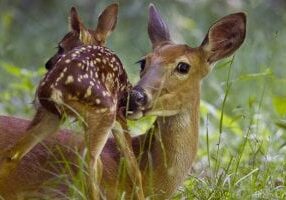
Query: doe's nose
point(137, 99)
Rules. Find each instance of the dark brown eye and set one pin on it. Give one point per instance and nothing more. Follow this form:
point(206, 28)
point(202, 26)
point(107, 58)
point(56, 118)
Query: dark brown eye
point(142, 64)
point(183, 68)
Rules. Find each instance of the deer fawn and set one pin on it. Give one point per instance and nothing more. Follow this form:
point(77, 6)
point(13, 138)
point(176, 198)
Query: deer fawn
point(84, 80)
point(169, 88)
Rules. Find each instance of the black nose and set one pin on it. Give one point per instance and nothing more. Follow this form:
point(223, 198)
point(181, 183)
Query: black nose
point(137, 99)
point(49, 64)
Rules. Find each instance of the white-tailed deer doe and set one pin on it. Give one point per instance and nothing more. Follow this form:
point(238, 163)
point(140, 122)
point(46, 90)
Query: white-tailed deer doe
point(169, 88)
point(85, 80)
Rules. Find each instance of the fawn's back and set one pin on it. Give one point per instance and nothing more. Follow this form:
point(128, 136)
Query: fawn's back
point(88, 74)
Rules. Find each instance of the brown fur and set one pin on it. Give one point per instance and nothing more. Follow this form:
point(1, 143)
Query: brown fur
point(85, 80)
point(174, 96)
point(166, 152)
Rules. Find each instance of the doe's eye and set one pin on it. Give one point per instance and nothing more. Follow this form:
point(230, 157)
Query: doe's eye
point(183, 68)
point(142, 64)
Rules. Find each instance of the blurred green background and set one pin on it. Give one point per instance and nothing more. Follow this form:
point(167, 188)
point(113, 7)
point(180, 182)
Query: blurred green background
point(30, 30)
point(251, 132)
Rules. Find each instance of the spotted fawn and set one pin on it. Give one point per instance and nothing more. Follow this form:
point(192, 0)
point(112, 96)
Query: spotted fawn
point(85, 80)
point(169, 87)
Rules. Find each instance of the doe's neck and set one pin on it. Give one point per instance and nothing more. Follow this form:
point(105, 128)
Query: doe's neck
point(173, 149)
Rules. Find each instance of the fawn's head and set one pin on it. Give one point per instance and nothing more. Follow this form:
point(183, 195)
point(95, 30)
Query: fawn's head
point(79, 35)
point(171, 73)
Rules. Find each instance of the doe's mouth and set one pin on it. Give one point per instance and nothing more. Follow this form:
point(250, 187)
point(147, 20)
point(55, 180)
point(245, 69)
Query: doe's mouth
point(135, 115)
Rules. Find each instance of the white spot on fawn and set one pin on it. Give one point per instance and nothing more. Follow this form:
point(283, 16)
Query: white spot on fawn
point(113, 59)
point(57, 96)
point(88, 92)
point(60, 77)
point(91, 73)
point(69, 79)
point(97, 101)
point(122, 89)
point(67, 61)
point(43, 83)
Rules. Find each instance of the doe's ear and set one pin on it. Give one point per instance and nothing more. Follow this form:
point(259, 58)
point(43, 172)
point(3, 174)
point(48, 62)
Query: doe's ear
point(224, 37)
point(157, 28)
point(75, 23)
point(106, 23)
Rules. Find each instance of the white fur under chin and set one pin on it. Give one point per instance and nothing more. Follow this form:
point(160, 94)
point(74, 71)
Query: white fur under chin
point(134, 115)
point(162, 113)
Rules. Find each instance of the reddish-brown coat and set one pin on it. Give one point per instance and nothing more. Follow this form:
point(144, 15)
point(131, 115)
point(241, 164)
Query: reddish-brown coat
point(89, 74)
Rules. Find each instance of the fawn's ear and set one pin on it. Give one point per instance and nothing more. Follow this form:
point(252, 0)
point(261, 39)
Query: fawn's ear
point(75, 23)
point(224, 37)
point(106, 23)
point(157, 29)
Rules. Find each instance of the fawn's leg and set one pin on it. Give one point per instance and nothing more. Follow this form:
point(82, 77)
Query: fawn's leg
point(123, 141)
point(97, 132)
point(43, 124)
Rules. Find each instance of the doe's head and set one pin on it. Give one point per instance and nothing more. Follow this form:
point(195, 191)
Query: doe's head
point(171, 73)
point(80, 35)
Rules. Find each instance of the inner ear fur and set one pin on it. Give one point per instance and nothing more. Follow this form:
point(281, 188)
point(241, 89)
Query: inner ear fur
point(157, 29)
point(106, 23)
point(74, 21)
point(224, 37)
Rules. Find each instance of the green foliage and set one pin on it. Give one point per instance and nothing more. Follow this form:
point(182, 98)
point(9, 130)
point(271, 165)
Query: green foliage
point(141, 126)
point(242, 137)
point(280, 105)
point(20, 88)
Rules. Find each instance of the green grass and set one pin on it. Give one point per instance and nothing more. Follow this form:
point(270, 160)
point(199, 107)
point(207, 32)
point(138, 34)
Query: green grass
point(242, 143)
point(240, 156)
point(239, 162)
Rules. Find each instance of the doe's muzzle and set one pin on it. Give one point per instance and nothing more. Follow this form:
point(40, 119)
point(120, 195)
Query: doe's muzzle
point(137, 99)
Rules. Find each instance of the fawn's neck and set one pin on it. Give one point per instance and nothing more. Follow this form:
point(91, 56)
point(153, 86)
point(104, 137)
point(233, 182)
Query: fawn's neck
point(173, 150)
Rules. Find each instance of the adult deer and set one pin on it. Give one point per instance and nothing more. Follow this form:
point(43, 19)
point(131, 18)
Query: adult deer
point(169, 87)
point(88, 81)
